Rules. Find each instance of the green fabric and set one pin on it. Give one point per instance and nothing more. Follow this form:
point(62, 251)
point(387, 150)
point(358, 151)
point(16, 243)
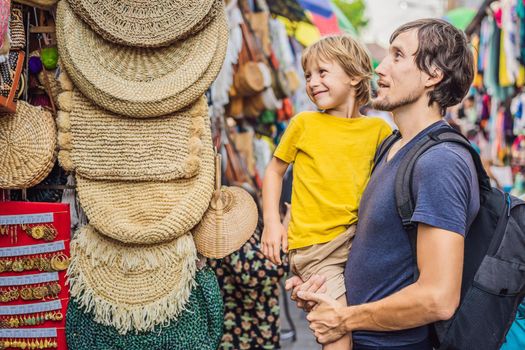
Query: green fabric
point(343, 22)
point(199, 327)
point(267, 117)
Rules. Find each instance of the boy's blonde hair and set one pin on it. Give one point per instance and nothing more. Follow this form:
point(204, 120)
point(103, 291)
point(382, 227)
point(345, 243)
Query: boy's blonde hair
point(350, 55)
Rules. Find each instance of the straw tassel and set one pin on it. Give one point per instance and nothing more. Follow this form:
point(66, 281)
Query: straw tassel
point(65, 83)
point(65, 140)
point(104, 250)
point(65, 101)
point(63, 121)
point(64, 158)
point(130, 317)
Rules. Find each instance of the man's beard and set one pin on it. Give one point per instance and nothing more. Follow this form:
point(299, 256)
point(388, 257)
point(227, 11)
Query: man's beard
point(390, 106)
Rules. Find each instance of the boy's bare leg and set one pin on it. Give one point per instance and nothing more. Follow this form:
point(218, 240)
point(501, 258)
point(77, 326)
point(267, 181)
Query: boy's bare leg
point(345, 343)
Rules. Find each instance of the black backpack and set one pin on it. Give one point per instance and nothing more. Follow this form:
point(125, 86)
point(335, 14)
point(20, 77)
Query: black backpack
point(493, 282)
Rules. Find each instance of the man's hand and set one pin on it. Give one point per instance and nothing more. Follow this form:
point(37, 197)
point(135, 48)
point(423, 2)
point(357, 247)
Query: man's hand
point(326, 319)
point(315, 284)
point(274, 234)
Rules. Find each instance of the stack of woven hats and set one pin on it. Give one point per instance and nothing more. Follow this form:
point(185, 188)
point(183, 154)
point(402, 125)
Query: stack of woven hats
point(134, 127)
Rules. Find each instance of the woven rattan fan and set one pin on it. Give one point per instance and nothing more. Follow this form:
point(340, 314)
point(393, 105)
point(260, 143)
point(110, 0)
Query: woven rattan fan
point(229, 221)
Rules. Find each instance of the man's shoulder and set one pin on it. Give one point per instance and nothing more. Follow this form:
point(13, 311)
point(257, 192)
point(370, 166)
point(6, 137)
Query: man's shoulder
point(446, 156)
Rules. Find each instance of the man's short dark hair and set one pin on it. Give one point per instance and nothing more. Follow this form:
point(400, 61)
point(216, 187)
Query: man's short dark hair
point(445, 47)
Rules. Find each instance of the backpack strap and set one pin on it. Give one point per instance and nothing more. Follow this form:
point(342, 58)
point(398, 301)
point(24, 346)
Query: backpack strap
point(403, 183)
point(383, 148)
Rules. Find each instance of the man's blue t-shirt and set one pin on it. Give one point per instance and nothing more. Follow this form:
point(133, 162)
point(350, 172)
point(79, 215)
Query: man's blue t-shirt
point(380, 262)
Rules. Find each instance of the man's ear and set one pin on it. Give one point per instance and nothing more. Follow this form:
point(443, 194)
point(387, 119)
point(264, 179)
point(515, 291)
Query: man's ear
point(435, 78)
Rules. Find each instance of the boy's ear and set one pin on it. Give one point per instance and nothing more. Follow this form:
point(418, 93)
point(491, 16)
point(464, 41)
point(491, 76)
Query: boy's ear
point(355, 81)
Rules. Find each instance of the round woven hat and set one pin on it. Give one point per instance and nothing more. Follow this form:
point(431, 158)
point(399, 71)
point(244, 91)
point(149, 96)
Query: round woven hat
point(140, 82)
point(149, 212)
point(137, 297)
point(101, 145)
point(27, 144)
point(144, 23)
point(229, 221)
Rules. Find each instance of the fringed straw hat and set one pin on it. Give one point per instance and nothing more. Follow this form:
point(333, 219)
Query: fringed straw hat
point(101, 145)
point(131, 288)
point(140, 82)
point(228, 223)
point(149, 212)
point(145, 23)
point(27, 144)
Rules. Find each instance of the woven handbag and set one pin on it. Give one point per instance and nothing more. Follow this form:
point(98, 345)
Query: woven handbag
point(10, 72)
point(16, 28)
point(248, 79)
point(229, 221)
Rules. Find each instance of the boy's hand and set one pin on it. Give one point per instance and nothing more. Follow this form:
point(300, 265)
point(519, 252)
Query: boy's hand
point(274, 234)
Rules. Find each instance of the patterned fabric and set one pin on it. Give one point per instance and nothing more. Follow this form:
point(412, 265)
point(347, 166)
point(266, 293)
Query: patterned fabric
point(5, 10)
point(197, 328)
point(250, 286)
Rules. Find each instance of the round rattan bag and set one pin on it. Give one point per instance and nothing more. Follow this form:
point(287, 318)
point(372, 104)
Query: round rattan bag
point(131, 287)
point(28, 141)
point(229, 221)
point(150, 212)
point(140, 82)
point(101, 145)
point(145, 23)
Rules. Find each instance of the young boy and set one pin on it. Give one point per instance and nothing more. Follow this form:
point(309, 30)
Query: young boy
point(332, 151)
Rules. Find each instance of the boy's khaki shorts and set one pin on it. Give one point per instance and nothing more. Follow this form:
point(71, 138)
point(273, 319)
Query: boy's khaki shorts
point(325, 259)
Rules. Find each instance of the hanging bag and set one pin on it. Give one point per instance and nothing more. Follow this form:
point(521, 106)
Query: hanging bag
point(16, 28)
point(229, 221)
point(10, 72)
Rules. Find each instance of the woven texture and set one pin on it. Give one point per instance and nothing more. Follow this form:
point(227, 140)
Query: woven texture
point(27, 141)
point(139, 82)
point(131, 296)
point(16, 28)
point(149, 212)
point(223, 231)
point(100, 145)
point(199, 326)
point(144, 23)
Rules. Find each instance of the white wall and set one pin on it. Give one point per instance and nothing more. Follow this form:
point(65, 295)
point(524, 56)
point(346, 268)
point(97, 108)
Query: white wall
point(386, 15)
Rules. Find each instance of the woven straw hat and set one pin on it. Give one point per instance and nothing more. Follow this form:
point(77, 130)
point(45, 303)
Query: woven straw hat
point(144, 23)
point(27, 144)
point(229, 221)
point(100, 145)
point(139, 82)
point(147, 212)
point(131, 288)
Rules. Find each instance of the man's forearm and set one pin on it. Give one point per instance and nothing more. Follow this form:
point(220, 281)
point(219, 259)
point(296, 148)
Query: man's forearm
point(413, 306)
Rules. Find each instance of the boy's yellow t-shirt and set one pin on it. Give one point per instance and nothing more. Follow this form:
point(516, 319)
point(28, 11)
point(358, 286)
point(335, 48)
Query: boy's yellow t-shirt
point(333, 159)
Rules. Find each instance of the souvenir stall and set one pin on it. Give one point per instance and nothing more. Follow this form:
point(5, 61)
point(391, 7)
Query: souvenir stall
point(492, 114)
point(108, 170)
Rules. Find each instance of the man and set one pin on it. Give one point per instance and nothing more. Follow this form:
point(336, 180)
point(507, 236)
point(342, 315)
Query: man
point(429, 68)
